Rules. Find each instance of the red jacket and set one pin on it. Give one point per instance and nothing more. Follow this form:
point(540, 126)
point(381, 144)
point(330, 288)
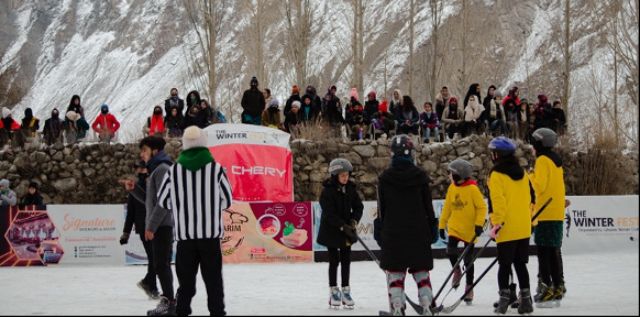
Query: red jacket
point(106, 121)
point(14, 125)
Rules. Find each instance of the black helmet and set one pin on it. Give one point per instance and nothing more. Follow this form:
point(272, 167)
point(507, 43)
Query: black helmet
point(402, 145)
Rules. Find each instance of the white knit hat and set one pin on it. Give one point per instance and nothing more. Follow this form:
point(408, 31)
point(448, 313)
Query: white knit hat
point(5, 112)
point(194, 137)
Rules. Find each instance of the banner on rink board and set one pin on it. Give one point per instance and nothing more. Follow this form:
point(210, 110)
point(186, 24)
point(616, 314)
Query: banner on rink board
point(258, 161)
point(257, 233)
point(63, 234)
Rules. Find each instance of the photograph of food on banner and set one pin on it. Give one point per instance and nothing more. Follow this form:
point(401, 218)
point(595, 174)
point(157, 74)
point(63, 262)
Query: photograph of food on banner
point(32, 239)
point(267, 232)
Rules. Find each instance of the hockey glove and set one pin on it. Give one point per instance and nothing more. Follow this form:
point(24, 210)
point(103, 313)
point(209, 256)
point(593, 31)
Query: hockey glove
point(124, 238)
point(442, 235)
point(350, 232)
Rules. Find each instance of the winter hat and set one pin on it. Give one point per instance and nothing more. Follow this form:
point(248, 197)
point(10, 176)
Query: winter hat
point(340, 165)
point(28, 113)
point(295, 90)
point(542, 99)
point(333, 87)
point(295, 104)
point(354, 93)
point(5, 182)
point(372, 94)
point(274, 103)
point(254, 81)
point(5, 113)
point(453, 100)
point(194, 137)
point(104, 106)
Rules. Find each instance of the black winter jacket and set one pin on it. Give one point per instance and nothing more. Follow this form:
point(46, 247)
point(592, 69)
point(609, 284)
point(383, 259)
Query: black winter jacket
point(338, 209)
point(406, 224)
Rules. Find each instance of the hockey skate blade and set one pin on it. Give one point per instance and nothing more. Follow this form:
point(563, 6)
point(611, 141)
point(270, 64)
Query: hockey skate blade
point(349, 307)
point(384, 313)
point(548, 304)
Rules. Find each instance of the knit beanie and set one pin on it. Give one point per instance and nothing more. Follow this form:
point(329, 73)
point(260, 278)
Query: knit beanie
point(194, 137)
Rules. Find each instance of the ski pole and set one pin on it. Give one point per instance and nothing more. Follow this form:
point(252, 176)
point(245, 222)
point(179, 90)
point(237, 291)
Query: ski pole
point(415, 306)
point(451, 308)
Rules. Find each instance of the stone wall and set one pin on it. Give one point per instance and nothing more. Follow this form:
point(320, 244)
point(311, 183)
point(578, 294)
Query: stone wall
point(89, 173)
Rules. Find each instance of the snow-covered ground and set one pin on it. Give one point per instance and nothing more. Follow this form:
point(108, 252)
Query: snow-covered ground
point(598, 284)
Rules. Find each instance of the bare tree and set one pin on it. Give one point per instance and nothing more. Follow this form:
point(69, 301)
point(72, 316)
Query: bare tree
point(412, 16)
point(357, 44)
point(206, 18)
point(435, 7)
point(257, 9)
point(463, 45)
point(566, 58)
point(299, 22)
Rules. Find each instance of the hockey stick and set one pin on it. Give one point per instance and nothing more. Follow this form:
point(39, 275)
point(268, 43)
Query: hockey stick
point(464, 252)
point(450, 309)
point(415, 306)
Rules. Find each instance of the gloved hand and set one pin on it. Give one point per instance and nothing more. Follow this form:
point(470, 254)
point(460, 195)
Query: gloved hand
point(494, 231)
point(350, 232)
point(442, 235)
point(479, 231)
point(124, 238)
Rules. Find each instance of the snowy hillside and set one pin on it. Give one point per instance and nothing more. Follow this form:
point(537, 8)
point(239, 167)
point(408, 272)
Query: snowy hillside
point(128, 54)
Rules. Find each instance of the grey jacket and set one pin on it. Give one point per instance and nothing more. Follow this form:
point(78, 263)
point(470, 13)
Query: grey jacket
point(8, 199)
point(156, 215)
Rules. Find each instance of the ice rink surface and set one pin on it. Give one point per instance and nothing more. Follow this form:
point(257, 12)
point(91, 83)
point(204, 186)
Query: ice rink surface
point(598, 284)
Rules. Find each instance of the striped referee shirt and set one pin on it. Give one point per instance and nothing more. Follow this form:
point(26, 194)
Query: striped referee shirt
point(197, 199)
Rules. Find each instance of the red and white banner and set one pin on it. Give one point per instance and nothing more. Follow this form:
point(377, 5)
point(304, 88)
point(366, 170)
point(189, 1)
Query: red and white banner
point(257, 159)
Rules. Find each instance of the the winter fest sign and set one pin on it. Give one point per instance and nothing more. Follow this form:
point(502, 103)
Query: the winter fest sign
point(258, 161)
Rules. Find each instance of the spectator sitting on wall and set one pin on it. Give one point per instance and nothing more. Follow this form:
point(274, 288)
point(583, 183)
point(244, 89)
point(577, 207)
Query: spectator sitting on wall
point(205, 113)
point(442, 101)
point(7, 196)
point(106, 124)
point(429, 122)
point(30, 124)
point(497, 116)
point(295, 95)
point(355, 116)
point(370, 106)
point(271, 115)
point(293, 120)
point(8, 127)
point(332, 108)
point(383, 120)
point(396, 102)
point(173, 101)
point(408, 117)
point(155, 123)
point(472, 115)
point(453, 117)
point(253, 103)
point(81, 124)
point(173, 122)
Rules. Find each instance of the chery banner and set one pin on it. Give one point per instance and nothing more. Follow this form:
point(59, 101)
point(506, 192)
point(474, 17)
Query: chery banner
point(257, 160)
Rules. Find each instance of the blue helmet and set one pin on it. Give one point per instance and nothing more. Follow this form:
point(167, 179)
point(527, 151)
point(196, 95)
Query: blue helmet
point(502, 145)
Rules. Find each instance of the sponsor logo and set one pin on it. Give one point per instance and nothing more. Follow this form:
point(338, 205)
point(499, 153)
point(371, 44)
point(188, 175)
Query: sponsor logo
point(583, 223)
point(258, 170)
point(224, 135)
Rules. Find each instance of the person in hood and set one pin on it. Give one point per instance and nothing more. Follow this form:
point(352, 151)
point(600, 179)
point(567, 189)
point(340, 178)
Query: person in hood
point(453, 118)
point(472, 116)
point(174, 123)
point(442, 101)
point(316, 102)
point(159, 221)
point(53, 127)
point(7, 196)
point(293, 120)
point(205, 113)
point(173, 101)
point(198, 208)
point(193, 99)
point(332, 108)
point(510, 200)
point(267, 96)
point(271, 115)
point(523, 120)
point(407, 117)
point(136, 215)
point(33, 197)
point(8, 126)
point(548, 183)
point(383, 120)
point(341, 211)
point(488, 101)
point(429, 122)
point(396, 103)
point(370, 106)
point(105, 125)
point(75, 106)
point(474, 90)
point(194, 118)
point(30, 124)
point(544, 113)
point(295, 96)
point(253, 104)
point(406, 225)
point(463, 215)
point(355, 117)
point(155, 123)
